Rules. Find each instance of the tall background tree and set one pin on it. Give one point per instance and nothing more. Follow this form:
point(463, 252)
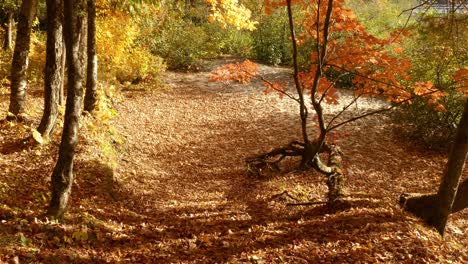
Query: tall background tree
point(92, 64)
point(19, 67)
point(53, 74)
point(8, 9)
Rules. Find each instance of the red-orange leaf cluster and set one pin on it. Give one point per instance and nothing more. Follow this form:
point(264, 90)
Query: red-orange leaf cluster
point(242, 72)
point(461, 81)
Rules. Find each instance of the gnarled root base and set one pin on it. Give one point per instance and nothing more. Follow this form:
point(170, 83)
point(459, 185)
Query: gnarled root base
point(424, 206)
point(270, 161)
point(258, 165)
point(427, 206)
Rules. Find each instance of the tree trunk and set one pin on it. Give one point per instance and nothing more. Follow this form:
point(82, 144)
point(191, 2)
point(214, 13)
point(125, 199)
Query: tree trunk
point(53, 79)
point(19, 65)
point(64, 64)
point(7, 40)
point(62, 176)
point(336, 180)
point(91, 77)
point(435, 209)
point(461, 200)
point(456, 162)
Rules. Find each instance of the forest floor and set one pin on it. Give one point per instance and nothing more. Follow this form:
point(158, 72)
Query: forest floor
point(179, 192)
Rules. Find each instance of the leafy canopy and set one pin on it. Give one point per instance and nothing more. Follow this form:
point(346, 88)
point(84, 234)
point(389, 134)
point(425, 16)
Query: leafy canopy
point(376, 65)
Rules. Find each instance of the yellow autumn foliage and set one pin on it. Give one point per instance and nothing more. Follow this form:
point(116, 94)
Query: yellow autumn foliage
point(120, 57)
point(231, 12)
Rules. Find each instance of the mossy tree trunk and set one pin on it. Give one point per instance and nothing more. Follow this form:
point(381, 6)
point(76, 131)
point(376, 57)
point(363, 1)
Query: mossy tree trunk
point(19, 67)
point(436, 208)
point(53, 79)
point(62, 176)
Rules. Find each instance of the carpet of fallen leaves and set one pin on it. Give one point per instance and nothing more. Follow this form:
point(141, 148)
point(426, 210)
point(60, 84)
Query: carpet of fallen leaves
point(180, 193)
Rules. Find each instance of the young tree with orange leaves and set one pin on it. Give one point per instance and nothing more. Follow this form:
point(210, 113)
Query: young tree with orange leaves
point(341, 45)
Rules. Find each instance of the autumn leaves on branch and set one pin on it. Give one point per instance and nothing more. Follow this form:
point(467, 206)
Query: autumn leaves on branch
point(339, 44)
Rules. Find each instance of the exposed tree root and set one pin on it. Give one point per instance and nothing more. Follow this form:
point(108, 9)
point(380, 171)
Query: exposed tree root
point(257, 165)
point(270, 161)
point(425, 206)
point(306, 203)
point(285, 193)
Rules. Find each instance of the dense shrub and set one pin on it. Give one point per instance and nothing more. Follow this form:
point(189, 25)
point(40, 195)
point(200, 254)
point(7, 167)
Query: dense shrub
point(381, 17)
point(184, 37)
point(121, 57)
point(437, 51)
point(271, 42)
point(182, 45)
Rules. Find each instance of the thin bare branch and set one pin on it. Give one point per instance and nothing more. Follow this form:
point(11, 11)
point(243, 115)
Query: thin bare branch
point(271, 85)
point(379, 111)
point(343, 110)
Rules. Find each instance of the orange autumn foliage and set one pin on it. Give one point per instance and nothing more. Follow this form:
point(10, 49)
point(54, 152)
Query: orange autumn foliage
point(460, 78)
point(351, 49)
point(242, 72)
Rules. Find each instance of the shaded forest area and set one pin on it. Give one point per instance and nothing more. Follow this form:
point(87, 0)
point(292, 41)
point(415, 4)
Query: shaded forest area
point(233, 132)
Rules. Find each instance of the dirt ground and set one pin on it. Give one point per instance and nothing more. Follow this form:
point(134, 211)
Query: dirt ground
point(180, 193)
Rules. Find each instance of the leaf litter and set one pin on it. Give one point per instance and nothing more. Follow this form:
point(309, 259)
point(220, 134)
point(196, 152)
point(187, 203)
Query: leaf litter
point(180, 193)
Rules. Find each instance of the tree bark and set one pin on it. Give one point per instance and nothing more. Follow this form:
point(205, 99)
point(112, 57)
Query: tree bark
point(53, 79)
point(92, 70)
point(19, 65)
point(461, 200)
point(8, 26)
point(435, 209)
point(336, 180)
point(308, 150)
point(62, 176)
point(456, 163)
point(64, 63)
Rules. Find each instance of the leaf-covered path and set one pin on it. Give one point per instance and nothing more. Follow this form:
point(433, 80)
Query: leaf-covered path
point(185, 179)
point(180, 193)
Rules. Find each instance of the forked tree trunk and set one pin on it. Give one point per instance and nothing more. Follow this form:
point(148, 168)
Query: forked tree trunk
point(91, 76)
point(435, 209)
point(53, 79)
point(8, 35)
point(62, 176)
point(19, 65)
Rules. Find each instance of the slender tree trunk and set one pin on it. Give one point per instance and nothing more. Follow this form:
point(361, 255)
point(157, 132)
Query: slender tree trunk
point(7, 40)
point(53, 79)
point(64, 63)
point(436, 208)
point(19, 65)
point(92, 70)
point(62, 176)
point(299, 89)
